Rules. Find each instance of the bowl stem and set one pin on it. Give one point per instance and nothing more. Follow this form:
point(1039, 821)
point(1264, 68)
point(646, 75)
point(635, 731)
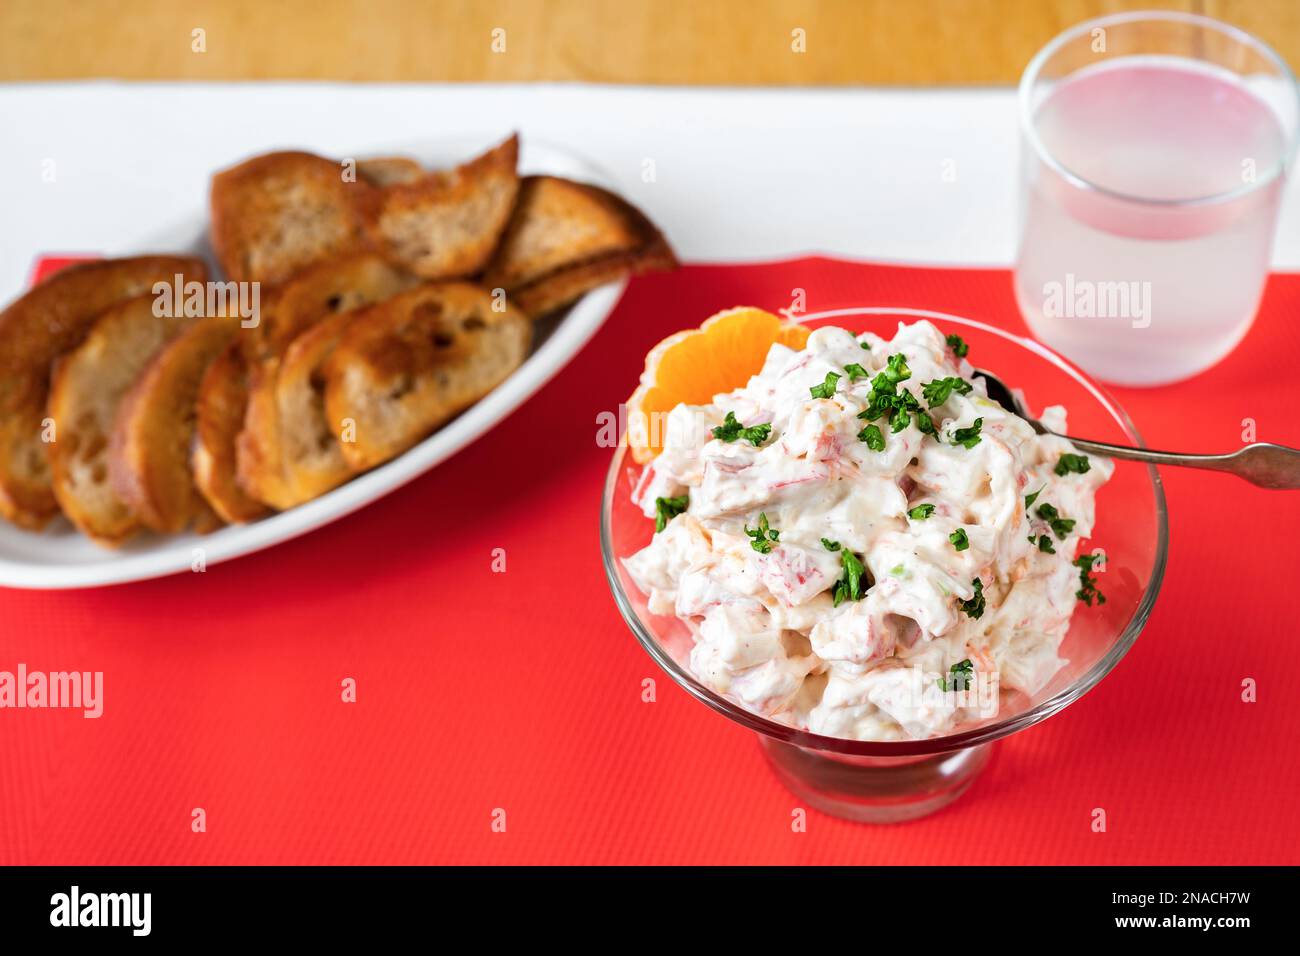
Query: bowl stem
point(875, 789)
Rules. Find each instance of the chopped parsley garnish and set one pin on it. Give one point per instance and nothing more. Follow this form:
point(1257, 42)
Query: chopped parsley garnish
point(1060, 526)
point(1030, 499)
point(849, 586)
point(975, 606)
point(968, 437)
point(856, 371)
point(666, 509)
point(1044, 544)
point(830, 545)
point(898, 420)
point(763, 535)
point(937, 392)
point(897, 406)
point(896, 367)
point(873, 437)
point(963, 675)
point(865, 347)
point(959, 347)
point(1088, 592)
point(1076, 464)
point(730, 430)
point(880, 403)
point(921, 512)
point(959, 539)
point(827, 388)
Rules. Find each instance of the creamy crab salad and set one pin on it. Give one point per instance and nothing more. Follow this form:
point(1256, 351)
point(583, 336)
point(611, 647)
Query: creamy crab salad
point(863, 544)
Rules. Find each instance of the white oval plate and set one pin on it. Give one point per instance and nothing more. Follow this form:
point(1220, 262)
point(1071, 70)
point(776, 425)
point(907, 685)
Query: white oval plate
point(61, 557)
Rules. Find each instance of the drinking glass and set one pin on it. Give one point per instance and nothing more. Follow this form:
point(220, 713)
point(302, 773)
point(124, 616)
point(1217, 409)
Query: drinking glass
point(1154, 151)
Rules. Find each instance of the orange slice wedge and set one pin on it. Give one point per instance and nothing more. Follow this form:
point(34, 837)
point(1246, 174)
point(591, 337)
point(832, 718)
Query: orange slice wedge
point(692, 366)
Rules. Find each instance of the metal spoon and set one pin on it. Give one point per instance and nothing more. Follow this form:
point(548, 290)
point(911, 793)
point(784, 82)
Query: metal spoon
point(1262, 463)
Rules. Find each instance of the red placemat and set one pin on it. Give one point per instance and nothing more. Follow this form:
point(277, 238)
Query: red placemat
point(479, 691)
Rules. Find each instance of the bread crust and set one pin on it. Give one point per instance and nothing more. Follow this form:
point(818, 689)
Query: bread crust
point(149, 449)
point(48, 321)
point(309, 460)
point(384, 171)
point(220, 409)
point(259, 468)
point(565, 238)
point(564, 286)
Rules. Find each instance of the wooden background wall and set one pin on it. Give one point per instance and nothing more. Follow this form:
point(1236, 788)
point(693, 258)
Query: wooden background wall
point(731, 42)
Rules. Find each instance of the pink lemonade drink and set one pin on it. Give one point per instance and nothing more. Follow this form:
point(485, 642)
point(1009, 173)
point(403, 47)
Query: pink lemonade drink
point(1150, 187)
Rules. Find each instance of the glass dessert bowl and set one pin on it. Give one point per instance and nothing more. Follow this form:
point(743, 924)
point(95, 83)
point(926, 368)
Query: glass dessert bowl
point(887, 781)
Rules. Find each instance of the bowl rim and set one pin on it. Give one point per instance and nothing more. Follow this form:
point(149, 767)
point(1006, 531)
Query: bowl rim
point(930, 745)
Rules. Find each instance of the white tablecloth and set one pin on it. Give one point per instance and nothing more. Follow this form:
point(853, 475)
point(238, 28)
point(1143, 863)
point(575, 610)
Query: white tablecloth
point(903, 175)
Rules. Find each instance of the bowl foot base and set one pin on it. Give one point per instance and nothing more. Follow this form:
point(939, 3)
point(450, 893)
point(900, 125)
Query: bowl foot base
point(875, 789)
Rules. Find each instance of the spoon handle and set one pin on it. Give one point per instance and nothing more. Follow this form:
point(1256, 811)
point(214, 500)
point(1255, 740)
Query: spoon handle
point(1263, 463)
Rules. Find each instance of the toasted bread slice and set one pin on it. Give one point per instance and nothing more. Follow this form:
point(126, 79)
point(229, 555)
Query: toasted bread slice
point(276, 214)
point(259, 457)
point(48, 321)
point(330, 289)
point(336, 285)
point(407, 365)
point(565, 286)
point(389, 170)
point(558, 222)
point(221, 404)
point(448, 224)
point(85, 392)
point(149, 450)
point(304, 460)
point(565, 238)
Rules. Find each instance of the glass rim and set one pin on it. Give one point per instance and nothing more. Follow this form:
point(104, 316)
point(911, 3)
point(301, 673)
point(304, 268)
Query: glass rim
point(927, 745)
point(1031, 75)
